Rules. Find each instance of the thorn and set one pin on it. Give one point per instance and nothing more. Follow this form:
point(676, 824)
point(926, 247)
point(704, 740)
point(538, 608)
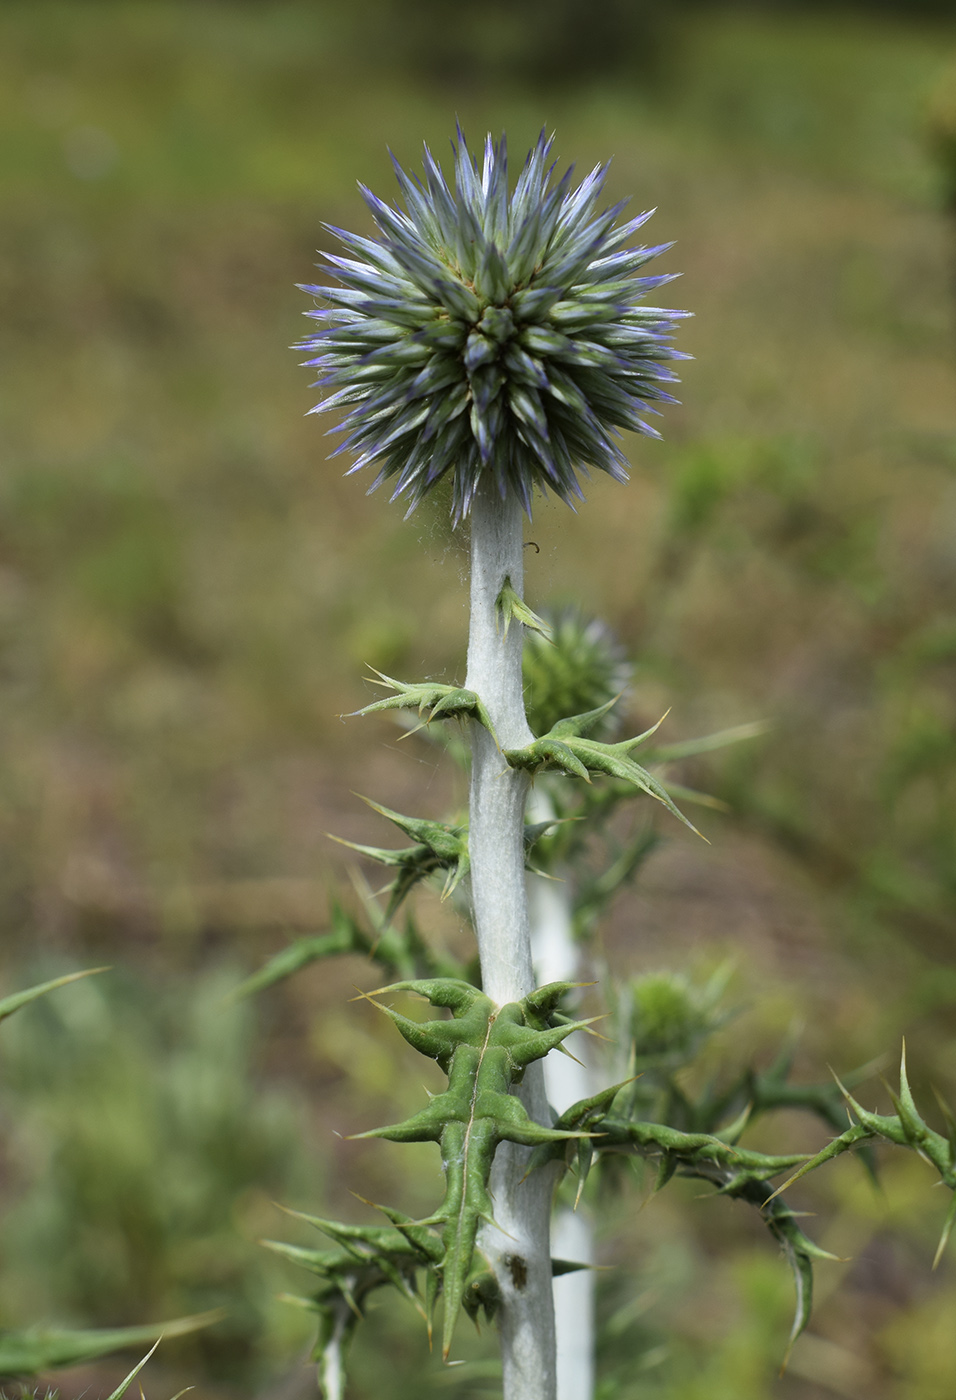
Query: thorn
point(409, 732)
point(369, 996)
point(589, 1030)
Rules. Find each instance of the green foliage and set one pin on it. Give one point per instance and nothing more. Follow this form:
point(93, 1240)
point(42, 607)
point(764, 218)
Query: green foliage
point(367, 1258)
point(701, 1148)
point(905, 1128)
point(510, 608)
point(13, 1003)
point(478, 1110)
point(439, 847)
point(37, 1349)
point(441, 701)
point(142, 1150)
point(666, 1019)
point(484, 1050)
point(401, 953)
point(566, 747)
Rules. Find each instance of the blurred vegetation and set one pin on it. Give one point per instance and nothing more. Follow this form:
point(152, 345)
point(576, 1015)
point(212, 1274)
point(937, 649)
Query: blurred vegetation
point(152, 1160)
point(187, 596)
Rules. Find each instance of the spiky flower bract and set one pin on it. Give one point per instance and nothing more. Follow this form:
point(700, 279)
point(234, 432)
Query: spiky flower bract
point(497, 336)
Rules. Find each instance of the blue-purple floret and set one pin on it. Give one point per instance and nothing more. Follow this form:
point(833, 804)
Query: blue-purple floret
point(493, 336)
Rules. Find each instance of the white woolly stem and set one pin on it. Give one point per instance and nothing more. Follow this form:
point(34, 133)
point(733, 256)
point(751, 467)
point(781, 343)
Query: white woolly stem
point(332, 1361)
point(518, 1250)
point(557, 959)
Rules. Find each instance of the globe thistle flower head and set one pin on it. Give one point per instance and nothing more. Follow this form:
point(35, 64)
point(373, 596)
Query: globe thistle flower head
point(494, 335)
point(576, 665)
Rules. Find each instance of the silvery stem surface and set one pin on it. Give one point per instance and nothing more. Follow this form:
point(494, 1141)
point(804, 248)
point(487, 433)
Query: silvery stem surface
point(332, 1363)
point(519, 1250)
point(557, 958)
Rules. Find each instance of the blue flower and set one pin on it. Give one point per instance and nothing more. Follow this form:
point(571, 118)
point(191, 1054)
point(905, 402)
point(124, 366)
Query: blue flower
point(491, 335)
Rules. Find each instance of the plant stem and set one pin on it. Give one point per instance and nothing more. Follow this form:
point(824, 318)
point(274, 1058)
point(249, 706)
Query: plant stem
point(518, 1250)
point(557, 958)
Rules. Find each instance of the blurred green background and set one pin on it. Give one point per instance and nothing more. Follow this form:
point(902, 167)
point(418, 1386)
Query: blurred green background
point(189, 595)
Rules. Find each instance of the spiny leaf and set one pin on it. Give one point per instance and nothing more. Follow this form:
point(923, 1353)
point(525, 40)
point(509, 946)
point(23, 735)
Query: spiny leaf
point(742, 1173)
point(370, 1258)
point(917, 1131)
point(510, 607)
point(345, 936)
point(734, 1171)
point(439, 847)
point(440, 837)
point(708, 743)
point(484, 1049)
point(854, 1135)
point(441, 701)
point(950, 1122)
point(39, 1349)
point(565, 746)
point(801, 1268)
point(400, 952)
point(124, 1384)
point(577, 726)
point(948, 1224)
point(13, 1003)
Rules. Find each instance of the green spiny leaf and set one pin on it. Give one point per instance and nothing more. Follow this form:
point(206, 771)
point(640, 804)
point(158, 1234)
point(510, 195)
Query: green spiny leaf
point(439, 847)
point(854, 1135)
point(39, 1349)
point(510, 607)
point(400, 952)
point(441, 701)
point(345, 936)
point(708, 743)
point(948, 1224)
point(124, 1384)
point(906, 1108)
point(801, 1267)
point(547, 751)
point(13, 1003)
point(484, 1049)
point(578, 725)
point(950, 1122)
point(565, 747)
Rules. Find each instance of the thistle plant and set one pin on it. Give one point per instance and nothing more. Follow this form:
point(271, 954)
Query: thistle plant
point(499, 338)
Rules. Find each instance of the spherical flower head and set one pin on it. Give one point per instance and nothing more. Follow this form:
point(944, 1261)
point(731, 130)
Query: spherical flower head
point(575, 666)
point(495, 336)
point(670, 1016)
